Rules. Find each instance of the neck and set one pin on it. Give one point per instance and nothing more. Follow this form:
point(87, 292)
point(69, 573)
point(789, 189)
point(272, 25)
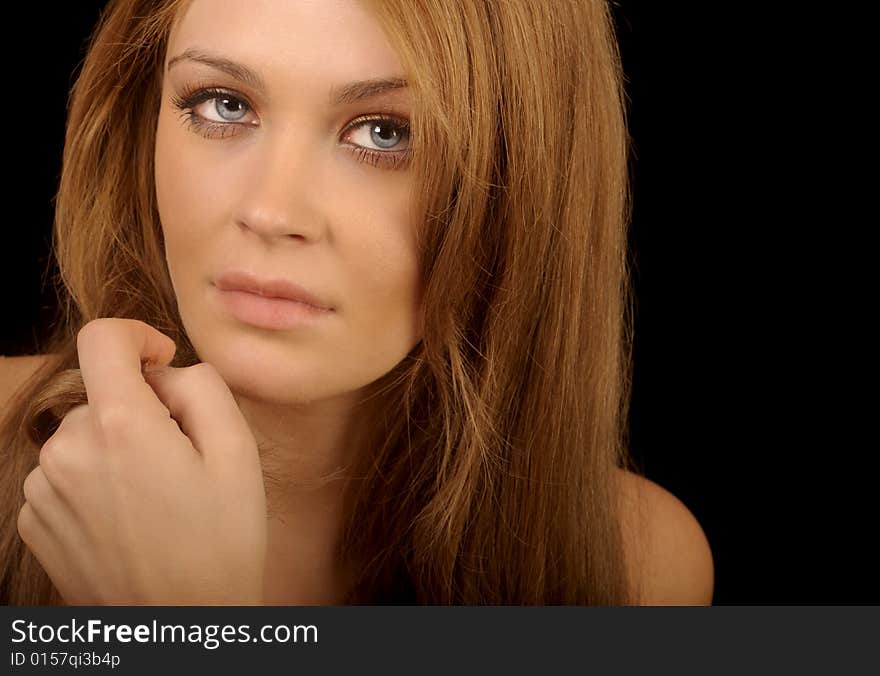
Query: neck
point(301, 556)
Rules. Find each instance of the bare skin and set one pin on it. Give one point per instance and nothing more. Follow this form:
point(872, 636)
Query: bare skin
point(668, 554)
point(277, 191)
point(152, 492)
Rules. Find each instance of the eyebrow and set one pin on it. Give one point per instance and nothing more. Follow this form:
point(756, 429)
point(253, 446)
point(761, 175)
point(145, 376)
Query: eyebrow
point(340, 95)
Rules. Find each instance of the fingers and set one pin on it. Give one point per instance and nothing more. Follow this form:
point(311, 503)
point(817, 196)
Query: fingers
point(47, 504)
point(207, 413)
point(53, 554)
point(111, 353)
point(66, 468)
point(35, 533)
point(41, 500)
point(49, 530)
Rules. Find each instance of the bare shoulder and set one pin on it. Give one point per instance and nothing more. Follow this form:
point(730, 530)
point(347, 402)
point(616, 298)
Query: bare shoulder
point(14, 371)
point(668, 554)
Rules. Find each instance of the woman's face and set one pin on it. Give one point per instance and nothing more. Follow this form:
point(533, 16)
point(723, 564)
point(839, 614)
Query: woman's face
point(271, 179)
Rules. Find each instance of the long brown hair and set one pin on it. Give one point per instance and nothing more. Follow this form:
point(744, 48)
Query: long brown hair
point(489, 476)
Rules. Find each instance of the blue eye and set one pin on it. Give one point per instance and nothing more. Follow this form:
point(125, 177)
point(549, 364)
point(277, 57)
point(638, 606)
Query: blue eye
point(384, 131)
point(228, 101)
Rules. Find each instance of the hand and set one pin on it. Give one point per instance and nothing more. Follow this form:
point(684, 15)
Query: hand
point(152, 493)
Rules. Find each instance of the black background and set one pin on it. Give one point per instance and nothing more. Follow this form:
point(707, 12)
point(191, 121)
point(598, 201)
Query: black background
point(729, 412)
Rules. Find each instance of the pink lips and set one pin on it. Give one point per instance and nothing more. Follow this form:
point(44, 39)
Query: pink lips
point(269, 303)
point(239, 280)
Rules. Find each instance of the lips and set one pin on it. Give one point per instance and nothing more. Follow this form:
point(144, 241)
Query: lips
point(240, 280)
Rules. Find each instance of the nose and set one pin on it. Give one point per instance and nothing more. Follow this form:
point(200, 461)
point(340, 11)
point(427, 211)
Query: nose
point(279, 199)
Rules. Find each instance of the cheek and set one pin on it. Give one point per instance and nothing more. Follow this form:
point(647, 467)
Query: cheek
point(385, 277)
point(171, 185)
point(184, 194)
point(384, 267)
point(178, 200)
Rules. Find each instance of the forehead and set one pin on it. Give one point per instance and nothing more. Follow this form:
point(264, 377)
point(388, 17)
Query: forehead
point(299, 39)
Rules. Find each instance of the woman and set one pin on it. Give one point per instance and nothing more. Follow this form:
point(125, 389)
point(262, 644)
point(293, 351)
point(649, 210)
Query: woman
point(445, 184)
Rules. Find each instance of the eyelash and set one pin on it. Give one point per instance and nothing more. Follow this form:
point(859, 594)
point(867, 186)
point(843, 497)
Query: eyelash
point(188, 100)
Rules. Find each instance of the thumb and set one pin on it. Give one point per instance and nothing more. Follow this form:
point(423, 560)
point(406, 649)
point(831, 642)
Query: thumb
point(201, 403)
